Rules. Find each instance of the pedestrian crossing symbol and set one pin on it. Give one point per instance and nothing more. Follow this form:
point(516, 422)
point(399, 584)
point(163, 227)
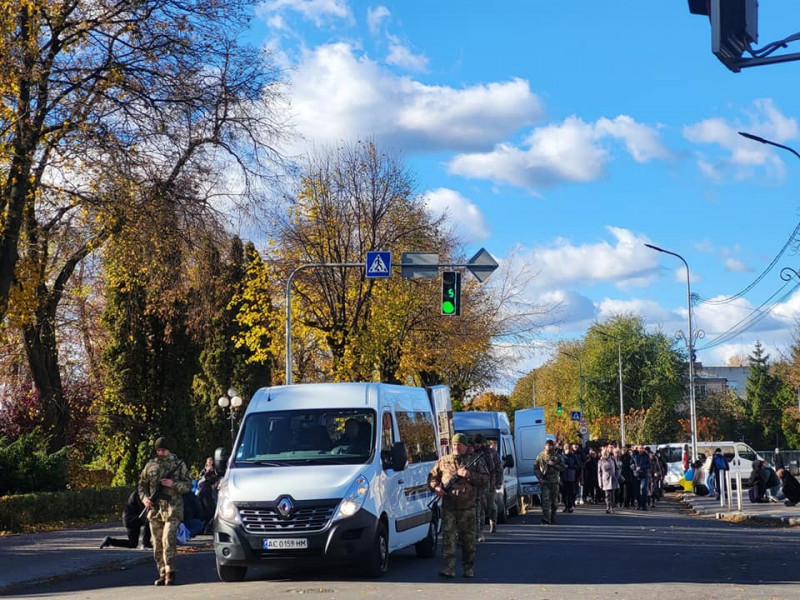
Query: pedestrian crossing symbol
point(379, 264)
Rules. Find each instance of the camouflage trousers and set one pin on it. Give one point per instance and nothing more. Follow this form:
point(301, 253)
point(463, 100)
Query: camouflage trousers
point(165, 543)
point(549, 500)
point(458, 526)
point(481, 500)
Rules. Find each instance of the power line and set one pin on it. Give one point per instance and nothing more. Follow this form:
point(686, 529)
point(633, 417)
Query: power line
point(763, 274)
point(754, 317)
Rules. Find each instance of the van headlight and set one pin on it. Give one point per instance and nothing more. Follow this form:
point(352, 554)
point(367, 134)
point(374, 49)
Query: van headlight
point(226, 509)
point(354, 499)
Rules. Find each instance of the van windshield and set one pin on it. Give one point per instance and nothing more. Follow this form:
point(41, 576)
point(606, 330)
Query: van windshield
point(306, 437)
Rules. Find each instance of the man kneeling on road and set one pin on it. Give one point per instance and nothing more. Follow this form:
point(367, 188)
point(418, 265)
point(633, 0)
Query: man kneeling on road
point(457, 478)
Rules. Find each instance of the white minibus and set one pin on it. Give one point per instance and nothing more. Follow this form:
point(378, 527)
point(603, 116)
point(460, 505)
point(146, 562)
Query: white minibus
point(739, 455)
point(330, 472)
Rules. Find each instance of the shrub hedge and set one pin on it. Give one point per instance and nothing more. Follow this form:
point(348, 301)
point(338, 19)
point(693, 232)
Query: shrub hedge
point(22, 511)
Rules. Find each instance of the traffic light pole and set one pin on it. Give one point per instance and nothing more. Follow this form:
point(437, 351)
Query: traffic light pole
point(481, 266)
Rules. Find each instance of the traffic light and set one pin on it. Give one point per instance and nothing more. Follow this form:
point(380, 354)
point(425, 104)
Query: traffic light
point(734, 26)
point(559, 410)
point(451, 293)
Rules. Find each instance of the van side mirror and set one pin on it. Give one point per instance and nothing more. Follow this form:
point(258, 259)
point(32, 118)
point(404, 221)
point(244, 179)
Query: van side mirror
point(399, 456)
point(508, 461)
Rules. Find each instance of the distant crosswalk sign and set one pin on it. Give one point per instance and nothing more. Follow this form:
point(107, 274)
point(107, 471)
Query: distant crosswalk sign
point(379, 264)
point(575, 415)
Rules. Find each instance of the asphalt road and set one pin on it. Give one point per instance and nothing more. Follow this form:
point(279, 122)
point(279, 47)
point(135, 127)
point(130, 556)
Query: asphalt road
point(589, 554)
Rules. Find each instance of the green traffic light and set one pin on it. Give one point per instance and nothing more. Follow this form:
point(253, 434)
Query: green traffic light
point(559, 410)
point(448, 308)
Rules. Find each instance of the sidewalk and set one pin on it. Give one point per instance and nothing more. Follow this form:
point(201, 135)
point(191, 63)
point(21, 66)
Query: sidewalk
point(774, 514)
point(36, 557)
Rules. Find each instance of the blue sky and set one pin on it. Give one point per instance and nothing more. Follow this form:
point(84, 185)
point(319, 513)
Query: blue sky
point(568, 134)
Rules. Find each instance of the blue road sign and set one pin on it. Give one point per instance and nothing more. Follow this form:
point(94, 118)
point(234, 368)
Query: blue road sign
point(379, 264)
point(575, 415)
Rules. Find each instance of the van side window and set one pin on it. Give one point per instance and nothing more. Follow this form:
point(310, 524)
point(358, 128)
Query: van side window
point(418, 433)
point(746, 452)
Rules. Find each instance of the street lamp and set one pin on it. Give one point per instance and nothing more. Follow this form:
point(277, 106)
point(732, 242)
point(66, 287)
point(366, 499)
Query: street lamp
point(621, 401)
point(231, 402)
point(690, 345)
point(757, 138)
point(584, 436)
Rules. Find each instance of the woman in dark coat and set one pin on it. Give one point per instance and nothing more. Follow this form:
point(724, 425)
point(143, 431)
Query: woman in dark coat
point(791, 487)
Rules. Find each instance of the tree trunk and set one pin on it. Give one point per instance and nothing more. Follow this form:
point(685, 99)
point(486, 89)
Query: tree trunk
point(42, 352)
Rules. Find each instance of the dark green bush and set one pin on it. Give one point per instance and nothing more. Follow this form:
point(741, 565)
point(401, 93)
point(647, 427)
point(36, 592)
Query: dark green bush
point(27, 510)
point(25, 465)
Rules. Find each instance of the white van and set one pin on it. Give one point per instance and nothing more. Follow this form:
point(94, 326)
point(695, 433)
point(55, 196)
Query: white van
point(739, 455)
point(333, 471)
point(529, 439)
point(495, 426)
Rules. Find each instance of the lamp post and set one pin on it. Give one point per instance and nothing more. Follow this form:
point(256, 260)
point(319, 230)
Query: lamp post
point(757, 138)
point(231, 403)
point(690, 345)
point(621, 400)
point(584, 436)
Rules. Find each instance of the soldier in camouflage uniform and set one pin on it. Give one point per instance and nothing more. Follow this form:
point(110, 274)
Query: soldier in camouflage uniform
point(458, 515)
point(548, 468)
point(169, 473)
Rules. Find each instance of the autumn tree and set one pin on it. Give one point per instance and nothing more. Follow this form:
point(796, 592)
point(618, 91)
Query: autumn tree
point(109, 109)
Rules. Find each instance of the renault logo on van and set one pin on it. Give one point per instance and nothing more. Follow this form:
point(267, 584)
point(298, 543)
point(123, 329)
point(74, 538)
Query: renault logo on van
point(285, 506)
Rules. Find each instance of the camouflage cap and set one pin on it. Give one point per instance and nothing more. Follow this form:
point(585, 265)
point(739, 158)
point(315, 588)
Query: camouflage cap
point(459, 438)
point(162, 442)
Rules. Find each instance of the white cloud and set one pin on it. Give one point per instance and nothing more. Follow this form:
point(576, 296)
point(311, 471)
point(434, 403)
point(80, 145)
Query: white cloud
point(555, 154)
point(314, 10)
point(464, 216)
point(651, 310)
point(570, 308)
point(742, 156)
point(624, 263)
point(400, 56)
point(376, 16)
point(704, 246)
point(736, 266)
point(640, 140)
point(337, 96)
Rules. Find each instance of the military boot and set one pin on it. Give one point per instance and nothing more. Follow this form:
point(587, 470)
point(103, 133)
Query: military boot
point(170, 578)
point(468, 572)
point(162, 579)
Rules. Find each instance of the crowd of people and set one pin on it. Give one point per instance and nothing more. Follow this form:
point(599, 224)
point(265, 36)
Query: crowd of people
point(628, 476)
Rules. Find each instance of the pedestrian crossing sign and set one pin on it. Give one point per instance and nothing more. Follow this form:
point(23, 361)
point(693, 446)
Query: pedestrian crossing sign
point(379, 264)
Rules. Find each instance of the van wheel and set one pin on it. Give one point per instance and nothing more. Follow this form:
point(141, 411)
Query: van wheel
point(229, 573)
point(427, 548)
point(378, 560)
point(502, 511)
point(516, 510)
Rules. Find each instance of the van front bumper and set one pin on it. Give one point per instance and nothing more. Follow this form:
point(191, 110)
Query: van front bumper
point(342, 540)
